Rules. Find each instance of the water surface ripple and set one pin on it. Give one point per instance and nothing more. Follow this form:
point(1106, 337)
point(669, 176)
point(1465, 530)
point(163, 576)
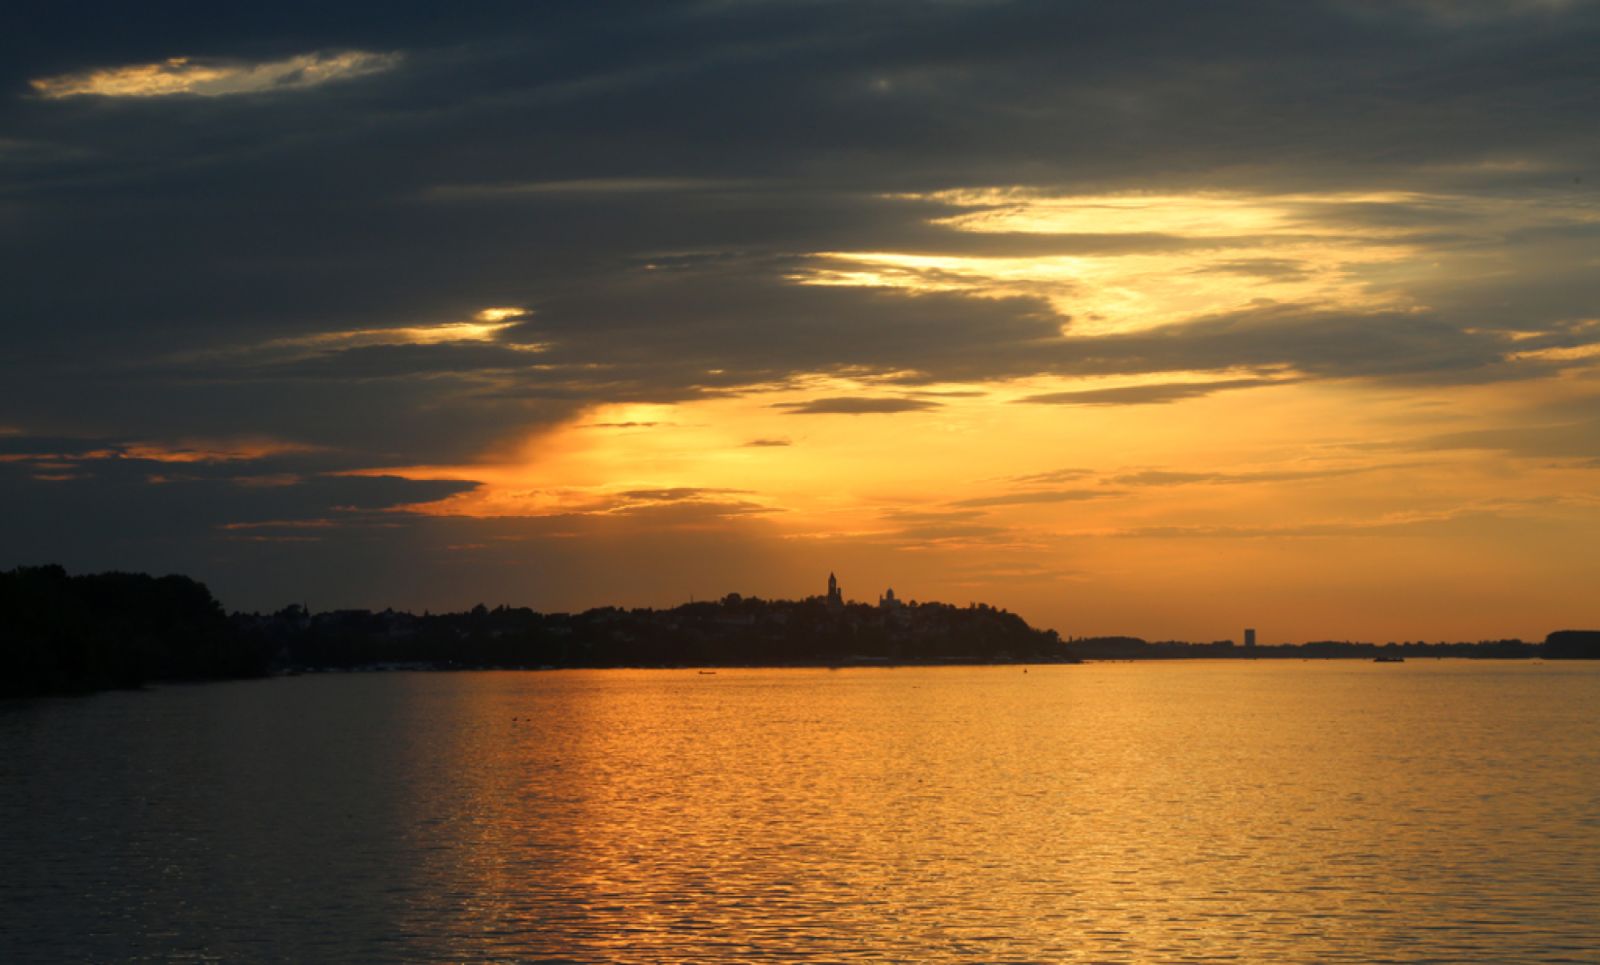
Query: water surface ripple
point(1324, 811)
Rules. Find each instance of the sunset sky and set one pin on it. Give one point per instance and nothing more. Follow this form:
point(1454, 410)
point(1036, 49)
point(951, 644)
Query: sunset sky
point(1165, 319)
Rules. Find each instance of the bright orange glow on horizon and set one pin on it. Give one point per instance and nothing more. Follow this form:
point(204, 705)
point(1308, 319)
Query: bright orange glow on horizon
point(1153, 503)
point(1303, 507)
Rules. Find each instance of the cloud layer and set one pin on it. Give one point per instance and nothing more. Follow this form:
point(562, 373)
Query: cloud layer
point(470, 261)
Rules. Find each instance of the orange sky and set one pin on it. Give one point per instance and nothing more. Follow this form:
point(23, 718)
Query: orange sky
point(1309, 508)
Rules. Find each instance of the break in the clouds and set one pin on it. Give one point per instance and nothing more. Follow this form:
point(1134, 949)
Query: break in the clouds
point(822, 267)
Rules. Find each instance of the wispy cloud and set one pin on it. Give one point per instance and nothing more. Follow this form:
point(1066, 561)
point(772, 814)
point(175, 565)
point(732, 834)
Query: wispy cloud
point(481, 331)
point(202, 451)
point(855, 405)
point(1161, 393)
point(1165, 477)
point(204, 77)
point(1053, 476)
point(577, 188)
point(1572, 440)
point(1033, 497)
point(487, 326)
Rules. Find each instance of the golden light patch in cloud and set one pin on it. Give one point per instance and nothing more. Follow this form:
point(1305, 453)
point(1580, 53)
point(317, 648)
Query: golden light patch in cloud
point(499, 314)
point(1187, 256)
point(1587, 328)
point(486, 331)
point(1206, 215)
point(1570, 354)
point(214, 78)
point(1124, 293)
point(487, 325)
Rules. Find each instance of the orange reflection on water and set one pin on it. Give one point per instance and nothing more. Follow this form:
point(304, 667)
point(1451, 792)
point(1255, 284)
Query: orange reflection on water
point(1274, 811)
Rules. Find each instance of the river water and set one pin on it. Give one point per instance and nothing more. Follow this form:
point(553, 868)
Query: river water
point(1272, 811)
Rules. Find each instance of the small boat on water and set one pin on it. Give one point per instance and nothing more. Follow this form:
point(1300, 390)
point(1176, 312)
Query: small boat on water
point(1388, 659)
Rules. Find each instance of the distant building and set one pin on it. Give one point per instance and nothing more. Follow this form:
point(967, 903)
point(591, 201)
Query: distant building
point(1249, 639)
point(888, 601)
point(835, 595)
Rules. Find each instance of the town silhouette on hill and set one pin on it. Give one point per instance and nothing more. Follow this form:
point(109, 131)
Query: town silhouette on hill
point(74, 634)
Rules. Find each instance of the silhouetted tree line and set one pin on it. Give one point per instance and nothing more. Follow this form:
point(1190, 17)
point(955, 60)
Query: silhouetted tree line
point(67, 634)
point(1572, 645)
point(735, 631)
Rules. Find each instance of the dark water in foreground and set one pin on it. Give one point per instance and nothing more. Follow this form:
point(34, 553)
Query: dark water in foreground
point(1274, 811)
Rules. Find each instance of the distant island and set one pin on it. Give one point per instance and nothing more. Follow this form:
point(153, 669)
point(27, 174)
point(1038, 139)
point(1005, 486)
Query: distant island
point(74, 634)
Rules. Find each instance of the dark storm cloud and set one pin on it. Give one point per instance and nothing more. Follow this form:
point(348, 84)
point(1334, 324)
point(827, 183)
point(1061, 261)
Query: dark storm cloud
point(373, 422)
point(667, 334)
point(283, 484)
point(649, 177)
point(145, 514)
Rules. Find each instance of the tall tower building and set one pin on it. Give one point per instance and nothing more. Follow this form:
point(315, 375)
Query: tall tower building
point(1249, 639)
point(835, 595)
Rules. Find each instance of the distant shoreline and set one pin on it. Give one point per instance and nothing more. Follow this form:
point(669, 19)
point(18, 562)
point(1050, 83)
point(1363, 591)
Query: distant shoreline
point(75, 634)
point(869, 665)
